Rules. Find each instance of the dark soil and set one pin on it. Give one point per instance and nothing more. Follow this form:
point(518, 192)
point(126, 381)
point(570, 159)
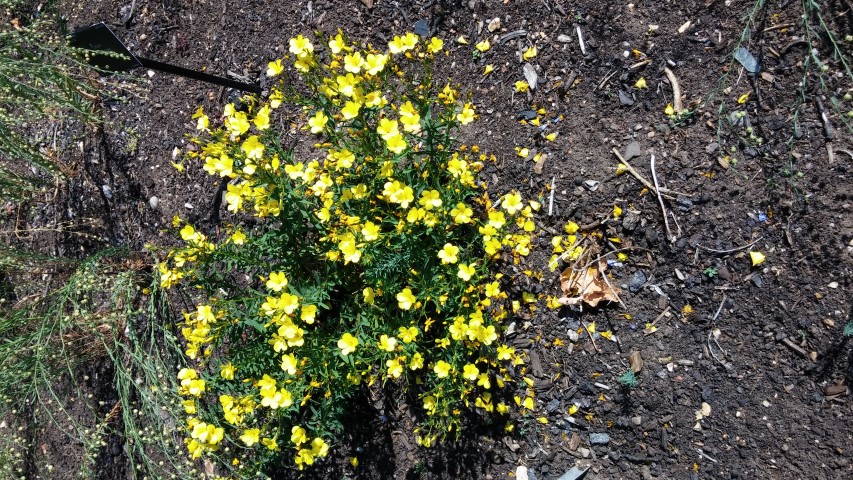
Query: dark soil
point(763, 344)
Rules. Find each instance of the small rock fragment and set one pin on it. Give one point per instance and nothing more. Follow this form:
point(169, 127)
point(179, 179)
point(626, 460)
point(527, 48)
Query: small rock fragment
point(632, 150)
point(564, 38)
point(574, 473)
point(835, 390)
point(153, 202)
point(108, 191)
point(599, 439)
point(746, 59)
point(530, 75)
point(494, 24)
point(521, 473)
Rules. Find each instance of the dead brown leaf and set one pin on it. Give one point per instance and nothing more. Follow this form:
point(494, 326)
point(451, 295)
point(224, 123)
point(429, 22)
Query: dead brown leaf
point(587, 286)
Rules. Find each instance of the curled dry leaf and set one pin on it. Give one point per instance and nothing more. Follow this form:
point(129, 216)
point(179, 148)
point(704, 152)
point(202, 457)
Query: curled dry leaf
point(587, 286)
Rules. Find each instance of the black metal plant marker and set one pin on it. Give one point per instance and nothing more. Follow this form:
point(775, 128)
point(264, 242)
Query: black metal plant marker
point(100, 38)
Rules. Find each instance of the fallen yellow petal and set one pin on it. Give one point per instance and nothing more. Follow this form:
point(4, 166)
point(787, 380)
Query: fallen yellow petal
point(669, 110)
point(641, 83)
point(462, 40)
point(743, 98)
point(756, 257)
point(529, 53)
point(489, 69)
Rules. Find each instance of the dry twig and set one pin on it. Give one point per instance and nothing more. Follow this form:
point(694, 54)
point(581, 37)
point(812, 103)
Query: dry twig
point(672, 238)
point(676, 90)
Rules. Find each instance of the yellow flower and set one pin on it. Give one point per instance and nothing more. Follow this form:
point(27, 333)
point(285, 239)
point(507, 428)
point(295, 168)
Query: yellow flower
point(274, 68)
point(277, 281)
point(253, 148)
point(396, 144)
point(203, 122)
point(466, 271)
point(349, 248)
point(370, 231)
point(669, 110)
point(461, 213)
point(289, 363)
point(408, 335)
point(406, 299)
point(319, 447)
point(318, 122)
point(641, 83)
point(448, 253)
point(430, 199)
point(353, 62)
point(387, 129)
point(512, 203)
point(410, 118)
point(250, 436)
point(529, 53)
point(505, 352)
point(395, 369)
point(227, 371)
point(466, 116)
point(350, 110)
point(571, 228)
point(521, 86)
point(441, 369)
point(483, 46)
point(435, 45)
point(369, 295)
point(347, 344)
point(417, 362)
point(470, 372)
point(308, 313)
point(375, 63)
point(262, 118)
point(387, 343)
point(300, 45)
point(337, 44)
point(270, 443)
point(298, 435)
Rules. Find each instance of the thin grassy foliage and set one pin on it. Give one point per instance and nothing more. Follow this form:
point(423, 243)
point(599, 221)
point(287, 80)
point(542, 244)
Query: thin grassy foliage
point(103, 312)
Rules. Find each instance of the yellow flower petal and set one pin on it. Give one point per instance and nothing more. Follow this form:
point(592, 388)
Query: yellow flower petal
point(756, 257)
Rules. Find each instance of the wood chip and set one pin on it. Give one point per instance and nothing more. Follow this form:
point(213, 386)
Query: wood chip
point(636, 361)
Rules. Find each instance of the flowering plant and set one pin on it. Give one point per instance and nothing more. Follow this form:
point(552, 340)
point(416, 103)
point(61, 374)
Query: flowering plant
point(371, 263)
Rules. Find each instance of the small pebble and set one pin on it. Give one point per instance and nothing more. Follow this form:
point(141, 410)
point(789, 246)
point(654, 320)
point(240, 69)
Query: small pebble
point(599, 439)
point(153, 202)
point(521, 473)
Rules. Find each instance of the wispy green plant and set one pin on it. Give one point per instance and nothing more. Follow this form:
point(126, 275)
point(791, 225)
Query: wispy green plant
point(41, 85)
point(104, 311)
point(628, 379)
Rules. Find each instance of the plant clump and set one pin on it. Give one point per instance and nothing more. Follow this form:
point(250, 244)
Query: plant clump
point(367, 261)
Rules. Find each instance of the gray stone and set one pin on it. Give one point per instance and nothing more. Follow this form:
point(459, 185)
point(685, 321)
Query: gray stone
point(599, 439)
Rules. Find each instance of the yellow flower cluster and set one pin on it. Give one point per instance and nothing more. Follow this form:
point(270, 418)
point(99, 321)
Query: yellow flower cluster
point(366, 262)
